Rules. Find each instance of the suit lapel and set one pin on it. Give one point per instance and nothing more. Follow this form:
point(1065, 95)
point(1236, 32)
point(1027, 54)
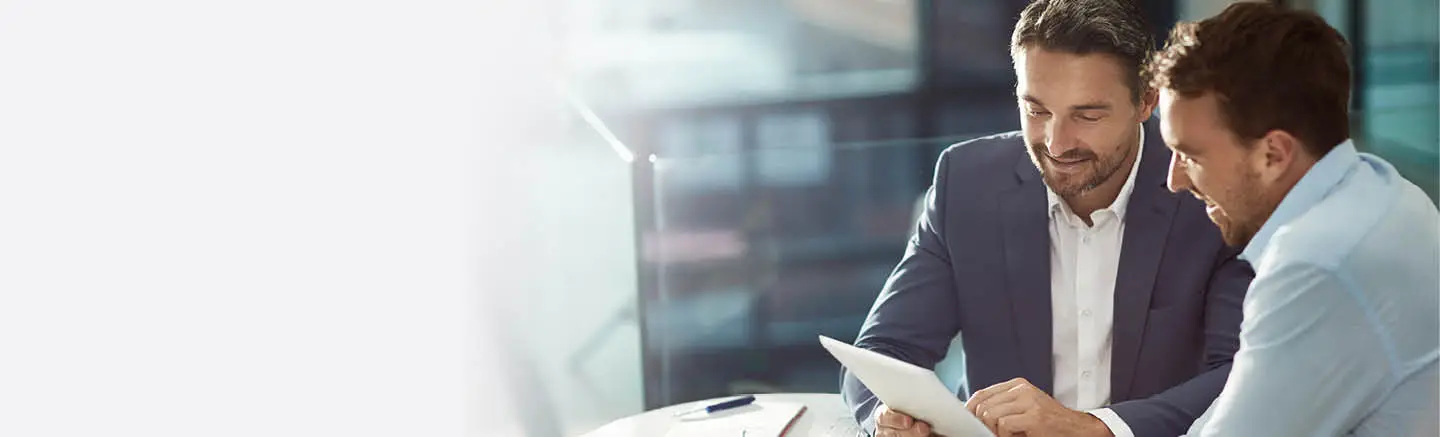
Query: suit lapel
point(1027, 260)
point(1147, 224)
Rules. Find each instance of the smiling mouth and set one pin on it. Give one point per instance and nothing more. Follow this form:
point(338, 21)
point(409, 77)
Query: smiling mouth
point(1212, 209)
point(1066, 161)
point(1208, 203)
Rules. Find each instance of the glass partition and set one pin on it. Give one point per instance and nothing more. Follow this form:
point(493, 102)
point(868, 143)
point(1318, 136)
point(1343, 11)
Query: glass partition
point(572, 335)
point(757, 252)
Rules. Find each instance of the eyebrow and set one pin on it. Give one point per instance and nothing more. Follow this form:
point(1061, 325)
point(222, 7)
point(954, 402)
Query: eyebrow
point(1083, 107)
point(1182, 148)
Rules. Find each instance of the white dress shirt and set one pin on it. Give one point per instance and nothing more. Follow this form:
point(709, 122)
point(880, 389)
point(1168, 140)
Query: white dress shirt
point(1084, 260)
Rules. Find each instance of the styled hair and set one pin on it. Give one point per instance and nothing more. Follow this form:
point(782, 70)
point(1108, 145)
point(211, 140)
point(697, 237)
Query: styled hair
point(1270, 68)
point(1082, 27)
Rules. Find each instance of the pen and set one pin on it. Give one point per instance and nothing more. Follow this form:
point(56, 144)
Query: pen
point(738, 402)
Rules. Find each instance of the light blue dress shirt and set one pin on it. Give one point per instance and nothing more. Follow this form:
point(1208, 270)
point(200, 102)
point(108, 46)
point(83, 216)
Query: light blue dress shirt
point(1340, 335)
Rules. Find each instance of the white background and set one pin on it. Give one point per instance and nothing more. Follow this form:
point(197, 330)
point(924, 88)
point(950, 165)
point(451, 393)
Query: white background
point(248, 218)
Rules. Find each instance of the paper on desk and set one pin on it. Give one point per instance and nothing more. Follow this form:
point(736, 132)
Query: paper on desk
point(760, 419)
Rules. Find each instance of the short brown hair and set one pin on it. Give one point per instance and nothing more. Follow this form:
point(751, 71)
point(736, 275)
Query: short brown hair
point(1113, 27)
point(1270, 68)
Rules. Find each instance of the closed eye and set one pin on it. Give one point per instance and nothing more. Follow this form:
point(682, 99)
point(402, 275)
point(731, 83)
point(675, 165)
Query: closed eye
point(1186, 160)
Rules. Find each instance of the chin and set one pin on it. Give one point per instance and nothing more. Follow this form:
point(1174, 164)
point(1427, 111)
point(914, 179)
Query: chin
point(1233, 239)
point(1068, 188)
point(1235, 236)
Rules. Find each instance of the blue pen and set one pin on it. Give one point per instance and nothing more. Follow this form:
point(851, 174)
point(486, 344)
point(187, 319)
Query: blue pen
point(739, 402)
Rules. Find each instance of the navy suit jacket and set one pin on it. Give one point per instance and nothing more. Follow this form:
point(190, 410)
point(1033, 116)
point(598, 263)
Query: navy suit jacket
point(979, 265)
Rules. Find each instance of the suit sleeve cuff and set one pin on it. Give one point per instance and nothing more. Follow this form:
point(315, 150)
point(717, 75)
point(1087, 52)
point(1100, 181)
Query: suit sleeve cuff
point(1113, 421)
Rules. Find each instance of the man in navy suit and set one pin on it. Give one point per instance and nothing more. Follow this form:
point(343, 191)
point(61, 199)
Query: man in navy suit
point(1090, 300)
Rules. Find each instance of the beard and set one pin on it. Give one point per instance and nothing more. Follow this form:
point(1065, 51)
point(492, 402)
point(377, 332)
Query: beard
point(1096, 169)
point(1236, 233)
point(1244, 212)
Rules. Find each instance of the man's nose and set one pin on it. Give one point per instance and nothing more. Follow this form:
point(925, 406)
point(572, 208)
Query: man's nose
point(1059, 138)
point(1177, 180)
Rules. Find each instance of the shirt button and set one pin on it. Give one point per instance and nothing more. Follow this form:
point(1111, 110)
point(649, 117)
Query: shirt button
point(1085, 374)
point(1085, 313)
point(1086, 239)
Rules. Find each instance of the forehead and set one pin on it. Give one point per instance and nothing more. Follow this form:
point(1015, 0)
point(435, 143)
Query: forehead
point(1054, 75)
point(1189, 119)
point(1181, 116)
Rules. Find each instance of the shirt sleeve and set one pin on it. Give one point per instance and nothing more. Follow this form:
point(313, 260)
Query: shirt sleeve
point(1117, 426)
point(1312, 360)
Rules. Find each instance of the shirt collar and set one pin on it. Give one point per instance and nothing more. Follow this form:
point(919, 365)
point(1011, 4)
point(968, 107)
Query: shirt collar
point(1314, 186)
point(1122, 201)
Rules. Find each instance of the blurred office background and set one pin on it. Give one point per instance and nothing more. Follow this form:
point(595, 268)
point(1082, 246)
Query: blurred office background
point(711, 184)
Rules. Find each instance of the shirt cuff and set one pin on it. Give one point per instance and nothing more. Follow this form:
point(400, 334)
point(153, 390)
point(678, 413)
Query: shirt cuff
point(1113, 421)
point(870, 426)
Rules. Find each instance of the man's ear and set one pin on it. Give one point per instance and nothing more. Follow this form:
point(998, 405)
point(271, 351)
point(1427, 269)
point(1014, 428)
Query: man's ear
point(1148, 100)
point(1275, 152)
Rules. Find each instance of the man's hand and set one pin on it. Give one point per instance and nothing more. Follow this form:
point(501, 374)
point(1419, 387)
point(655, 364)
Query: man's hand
point(891, 423)
point(1016, 407)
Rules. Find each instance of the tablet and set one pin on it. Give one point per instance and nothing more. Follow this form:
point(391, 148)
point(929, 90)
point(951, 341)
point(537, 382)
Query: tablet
point(908, 388)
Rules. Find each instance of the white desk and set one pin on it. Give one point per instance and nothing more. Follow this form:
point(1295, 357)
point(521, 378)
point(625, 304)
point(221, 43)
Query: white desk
point(825, 416)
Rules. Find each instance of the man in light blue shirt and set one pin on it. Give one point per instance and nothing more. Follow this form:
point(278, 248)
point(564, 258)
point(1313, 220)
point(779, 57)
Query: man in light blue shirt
point(1340, 333)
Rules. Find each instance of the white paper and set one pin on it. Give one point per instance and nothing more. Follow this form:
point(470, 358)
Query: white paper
point(760, 419)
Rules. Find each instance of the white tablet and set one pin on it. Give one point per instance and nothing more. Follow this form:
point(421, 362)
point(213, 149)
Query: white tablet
point(909, 389)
